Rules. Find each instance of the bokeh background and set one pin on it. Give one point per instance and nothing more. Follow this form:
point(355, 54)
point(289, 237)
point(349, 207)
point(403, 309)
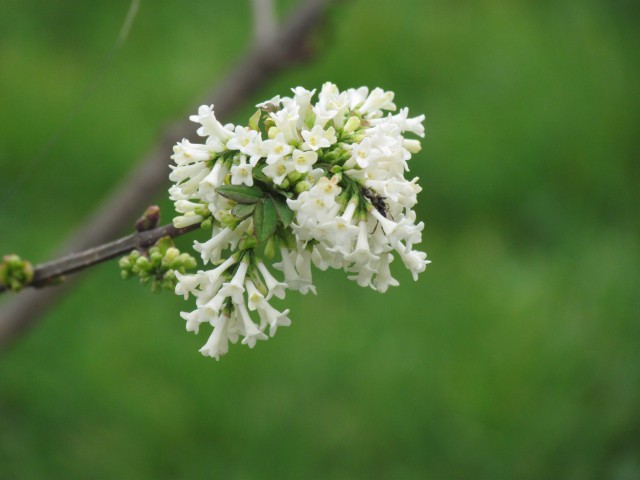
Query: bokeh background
point(515, 356)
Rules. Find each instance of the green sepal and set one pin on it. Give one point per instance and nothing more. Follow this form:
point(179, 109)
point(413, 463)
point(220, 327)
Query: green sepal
point(254, 121)
point(243, 210)
point(259, 175)
point(285, 214)
point(207, 224)
point(247, 242)
point(288, 238)
point(265, 219)
point(241, 193)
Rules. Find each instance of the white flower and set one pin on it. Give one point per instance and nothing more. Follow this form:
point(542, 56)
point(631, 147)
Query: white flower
point(414, 260)
point(402, 120)
point(250, 330)
point(187, 283)
point(349, 204)
point(303, 266)
point(339, 232)
point(278, 170)
point(241, 173)
point(211, 250)
point(362, 254)
point(303, 161)
point(383, 279)
point(254, 297)
point(412, 145)
point(235, 288)
point(286, 121)
point(276, 148)
point(186, 220)
point(378, 100)
point(218, 343)
point(210, 125)
point(247, 141)
point(273, 317)
point(364, 153)
point(186, 152)
point(274, 287)
point(302, 97)
point(194, 319)
point(188, 176)
point(317, 138)
point(291, 276)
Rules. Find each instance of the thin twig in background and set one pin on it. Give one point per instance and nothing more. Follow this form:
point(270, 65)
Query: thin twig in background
point(264, 19)
point(260, 64)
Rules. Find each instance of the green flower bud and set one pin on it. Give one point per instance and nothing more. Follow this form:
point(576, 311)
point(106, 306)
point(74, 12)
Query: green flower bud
point(188, 262)
point(302, 186)
point(294, 176)
point(124, 263)
point(202, 210)
point(170, 257)
point(142, 265)
point(15, 273)
point(155, 258)
point(270, 248)
point(207, 224)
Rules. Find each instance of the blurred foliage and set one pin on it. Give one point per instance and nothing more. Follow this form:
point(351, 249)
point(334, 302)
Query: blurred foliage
point(516, 355)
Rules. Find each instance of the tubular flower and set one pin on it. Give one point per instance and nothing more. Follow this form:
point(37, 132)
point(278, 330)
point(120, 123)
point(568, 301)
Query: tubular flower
point(314, 183)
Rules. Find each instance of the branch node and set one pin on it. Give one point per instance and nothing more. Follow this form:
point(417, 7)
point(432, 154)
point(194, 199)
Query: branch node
point(149, 220)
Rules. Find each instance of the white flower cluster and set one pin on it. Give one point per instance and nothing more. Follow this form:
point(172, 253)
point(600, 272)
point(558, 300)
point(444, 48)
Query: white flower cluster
point(314, 183)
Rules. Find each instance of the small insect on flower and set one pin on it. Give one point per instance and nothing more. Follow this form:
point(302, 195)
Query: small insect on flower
point(377, 201)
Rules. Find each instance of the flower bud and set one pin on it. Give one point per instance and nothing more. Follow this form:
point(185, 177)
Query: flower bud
point(169, 257)
point(412, 145)
point(294, 176)
point(142, 265)
point(302, 186)
point(352, 125)
point(273, 132)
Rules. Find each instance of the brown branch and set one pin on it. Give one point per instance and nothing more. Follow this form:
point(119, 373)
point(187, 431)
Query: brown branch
point(46, 274)
point(264, 20)
point(261, 63)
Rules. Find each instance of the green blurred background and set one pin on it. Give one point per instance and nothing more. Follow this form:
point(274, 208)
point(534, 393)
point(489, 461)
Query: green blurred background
point(517, 353)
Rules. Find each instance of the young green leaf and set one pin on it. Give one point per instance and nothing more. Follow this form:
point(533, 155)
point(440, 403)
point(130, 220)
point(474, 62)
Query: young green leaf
point(265, 219)
point(241, 193)
point(243, 210)
point(285, 214)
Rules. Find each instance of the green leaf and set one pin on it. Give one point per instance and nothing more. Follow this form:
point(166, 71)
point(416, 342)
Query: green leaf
point(243, 210)
point(259, 175)
point(254, 121)
point(241, 193)
point(265, 219)
point(285, 214)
